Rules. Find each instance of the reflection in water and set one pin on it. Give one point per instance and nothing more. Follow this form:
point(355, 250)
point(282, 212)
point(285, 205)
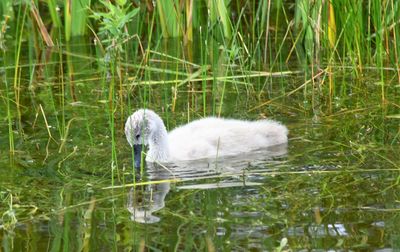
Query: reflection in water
point(319, 230)
point(146, 199)
point(192, 170)
point(265, 159)
point(143, 201)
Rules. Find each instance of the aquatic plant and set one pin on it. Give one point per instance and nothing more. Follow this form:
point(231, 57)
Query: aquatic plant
point(113, 25)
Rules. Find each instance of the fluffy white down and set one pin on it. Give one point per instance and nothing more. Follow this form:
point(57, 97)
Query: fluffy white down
point(204, 138)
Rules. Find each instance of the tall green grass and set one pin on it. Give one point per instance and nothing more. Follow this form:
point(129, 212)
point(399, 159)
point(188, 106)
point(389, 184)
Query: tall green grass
point(75, 17)
point(55, 18)
point(170, 18)
point(213, 46)
point(351, 32)
point(9, 117)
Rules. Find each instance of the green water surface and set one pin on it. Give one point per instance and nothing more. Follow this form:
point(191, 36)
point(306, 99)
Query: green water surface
point(334, 187)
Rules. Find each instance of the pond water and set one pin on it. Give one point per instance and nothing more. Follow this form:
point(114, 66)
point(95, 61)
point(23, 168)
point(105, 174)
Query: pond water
point(70, 185)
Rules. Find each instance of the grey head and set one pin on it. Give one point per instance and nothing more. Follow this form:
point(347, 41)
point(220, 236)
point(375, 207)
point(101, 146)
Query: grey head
point(139, 128)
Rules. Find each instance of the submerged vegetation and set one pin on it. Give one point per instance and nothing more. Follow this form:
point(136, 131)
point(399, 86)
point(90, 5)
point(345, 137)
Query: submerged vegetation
point(72, 71)
point(253, 39)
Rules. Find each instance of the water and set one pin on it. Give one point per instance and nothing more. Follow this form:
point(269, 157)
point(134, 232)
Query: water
point(333, 187)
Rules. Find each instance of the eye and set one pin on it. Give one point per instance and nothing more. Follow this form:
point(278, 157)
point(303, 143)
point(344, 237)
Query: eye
point(137, 136)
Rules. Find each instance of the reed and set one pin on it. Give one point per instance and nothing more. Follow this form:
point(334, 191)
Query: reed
point(6, 11)
point(239, 49)
point(79, 12)
point(55, 18)
point(75, 17)
point(11, 144)
point(170, 17)
point(17, 71)
point(67, 19)
point(219, 13)
point(369, 28)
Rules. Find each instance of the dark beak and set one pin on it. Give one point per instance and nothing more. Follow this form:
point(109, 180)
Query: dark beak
point(137, 150)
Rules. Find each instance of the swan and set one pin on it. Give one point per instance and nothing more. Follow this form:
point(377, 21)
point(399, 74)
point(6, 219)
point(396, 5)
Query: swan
point(204, 138)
